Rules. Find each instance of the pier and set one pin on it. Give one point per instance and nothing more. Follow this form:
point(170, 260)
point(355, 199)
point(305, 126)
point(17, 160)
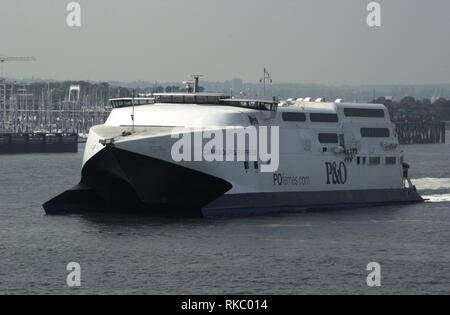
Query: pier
point(421, 132)
point(12, 143)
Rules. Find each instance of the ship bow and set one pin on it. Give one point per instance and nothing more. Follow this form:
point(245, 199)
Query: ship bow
point(116, 180)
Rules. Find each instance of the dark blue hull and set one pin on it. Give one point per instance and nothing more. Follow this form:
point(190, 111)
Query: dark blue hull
point(264, 203)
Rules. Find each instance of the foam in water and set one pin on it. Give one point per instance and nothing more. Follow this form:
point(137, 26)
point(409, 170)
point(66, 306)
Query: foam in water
point(432, 183)
point(438, 198)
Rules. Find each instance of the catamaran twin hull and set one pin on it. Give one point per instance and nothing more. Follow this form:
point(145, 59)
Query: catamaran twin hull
point(339, 161)
point(153, 187)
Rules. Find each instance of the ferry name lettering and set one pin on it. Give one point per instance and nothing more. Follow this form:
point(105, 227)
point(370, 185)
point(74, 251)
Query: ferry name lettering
point(336, 173)
point(284, 180)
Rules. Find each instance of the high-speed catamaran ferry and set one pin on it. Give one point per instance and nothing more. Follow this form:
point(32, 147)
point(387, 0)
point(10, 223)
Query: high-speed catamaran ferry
point(317, 154)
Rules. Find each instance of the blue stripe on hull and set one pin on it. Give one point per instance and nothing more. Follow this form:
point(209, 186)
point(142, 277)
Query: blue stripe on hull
point(266, 203)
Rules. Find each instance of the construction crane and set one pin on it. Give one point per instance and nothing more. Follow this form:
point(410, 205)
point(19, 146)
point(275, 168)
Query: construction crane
point(4, 59)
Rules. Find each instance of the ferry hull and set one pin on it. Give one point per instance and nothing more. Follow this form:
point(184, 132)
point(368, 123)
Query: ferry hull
point(119, 181)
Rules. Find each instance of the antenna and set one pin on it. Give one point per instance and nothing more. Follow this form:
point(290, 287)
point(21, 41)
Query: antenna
point(196, 79)
point(132, 115)
point(192, 86)
point(266, 78)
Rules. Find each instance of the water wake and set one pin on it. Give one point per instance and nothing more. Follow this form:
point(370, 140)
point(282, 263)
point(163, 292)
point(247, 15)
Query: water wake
point(438, 198)
point(434, 189)
point(432, 183)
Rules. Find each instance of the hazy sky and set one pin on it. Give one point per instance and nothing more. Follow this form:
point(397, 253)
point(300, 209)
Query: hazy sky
point(299, 41)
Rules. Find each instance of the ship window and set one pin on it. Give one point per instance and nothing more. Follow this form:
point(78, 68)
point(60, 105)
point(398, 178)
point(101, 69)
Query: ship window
point(364, 160)
point(140, 102)
point(256, 165)
point(358, 160)
point(375, 132)
point(246, 165)
point(342, 140)
point(201, 99)
point(163, 99)
point(294, 116)
point(178, 99)
point(189, 99)
point(121, 103)
point(324, 150)
point(364, 112)
point(391, 160)
point(328, 118)
point(328, 138)
point(212, 99)
point(374, 160)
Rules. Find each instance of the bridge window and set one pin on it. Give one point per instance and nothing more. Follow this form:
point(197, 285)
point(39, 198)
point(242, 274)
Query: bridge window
point(201, 99)
point(364, 112)
point(121, 103)
point(328, 118)
point(374, 160)
point(189, 99)
point(178, 99)
point(391, 160)
point(212, 99)
point(328, 138)
point(163, 99)
point(294, 116)
point(375, 132)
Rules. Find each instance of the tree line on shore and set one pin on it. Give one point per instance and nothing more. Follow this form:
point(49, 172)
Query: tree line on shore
point(414, 110)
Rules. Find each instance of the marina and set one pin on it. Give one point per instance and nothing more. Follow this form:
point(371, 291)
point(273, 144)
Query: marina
point(23, 110)
point(43, 122)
